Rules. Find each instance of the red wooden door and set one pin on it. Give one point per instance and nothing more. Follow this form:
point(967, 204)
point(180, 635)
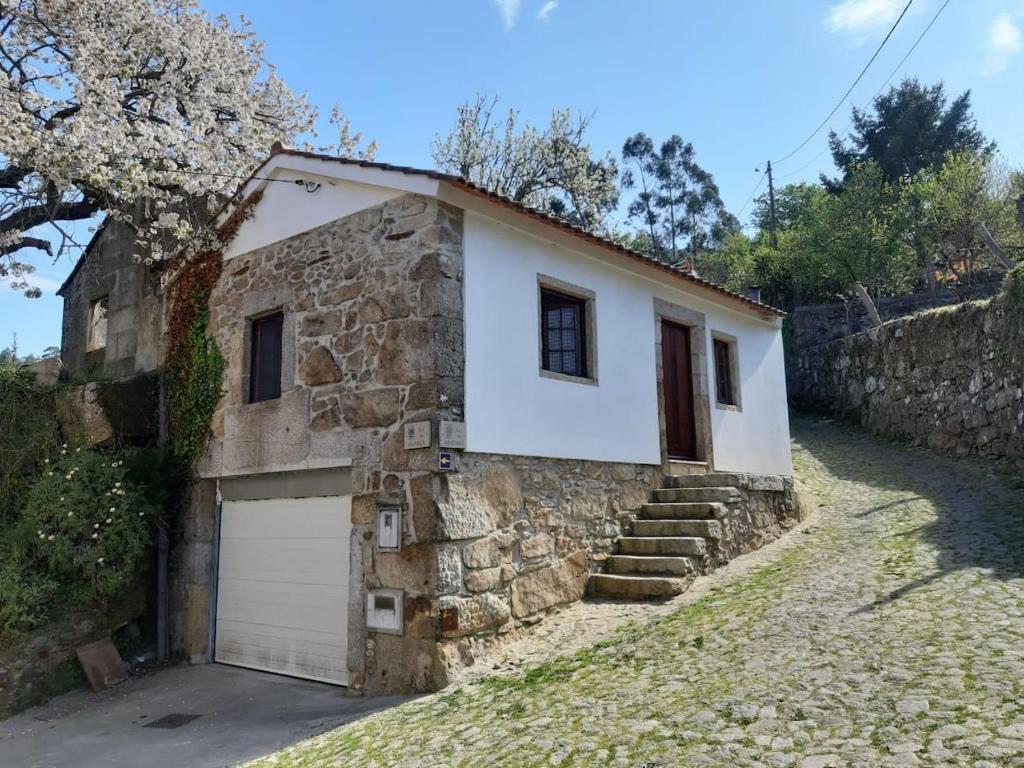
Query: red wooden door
point(678, 385)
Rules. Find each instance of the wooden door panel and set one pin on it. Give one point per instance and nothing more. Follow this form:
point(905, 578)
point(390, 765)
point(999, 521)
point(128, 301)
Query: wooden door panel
point(678, 391)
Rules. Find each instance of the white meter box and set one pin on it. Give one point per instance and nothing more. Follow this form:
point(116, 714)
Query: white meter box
point(389, 528)
point(384, 610)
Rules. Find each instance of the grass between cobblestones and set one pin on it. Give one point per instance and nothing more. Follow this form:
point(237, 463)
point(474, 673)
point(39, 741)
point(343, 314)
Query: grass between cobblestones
point(891, 634)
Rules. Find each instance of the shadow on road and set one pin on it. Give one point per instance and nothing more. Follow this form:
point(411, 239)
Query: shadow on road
point(979, 521)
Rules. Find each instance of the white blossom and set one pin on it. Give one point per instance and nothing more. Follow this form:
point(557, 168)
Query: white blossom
point(147, 111)
point(551, 170)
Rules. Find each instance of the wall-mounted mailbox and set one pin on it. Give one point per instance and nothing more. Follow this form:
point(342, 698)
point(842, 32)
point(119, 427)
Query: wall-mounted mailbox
point(389, 528)
point(384, 610)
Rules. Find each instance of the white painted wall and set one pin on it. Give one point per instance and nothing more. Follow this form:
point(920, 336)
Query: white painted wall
point(287, 209)
point(512, 409)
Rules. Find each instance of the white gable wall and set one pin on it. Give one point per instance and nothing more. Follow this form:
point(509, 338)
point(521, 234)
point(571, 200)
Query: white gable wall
point(287, 209)
point(512, 409)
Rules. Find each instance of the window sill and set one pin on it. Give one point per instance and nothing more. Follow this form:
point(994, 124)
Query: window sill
point(566, 377)
point(726, 407)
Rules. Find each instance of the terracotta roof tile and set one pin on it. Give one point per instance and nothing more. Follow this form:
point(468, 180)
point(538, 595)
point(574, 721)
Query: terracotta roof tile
point(583, 234)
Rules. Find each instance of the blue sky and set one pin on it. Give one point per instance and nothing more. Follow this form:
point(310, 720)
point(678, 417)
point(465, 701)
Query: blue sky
point(743, 80)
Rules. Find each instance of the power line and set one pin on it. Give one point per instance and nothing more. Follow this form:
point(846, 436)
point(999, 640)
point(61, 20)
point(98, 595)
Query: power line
point(854, 85)
point(752, 193)
point(880, 88)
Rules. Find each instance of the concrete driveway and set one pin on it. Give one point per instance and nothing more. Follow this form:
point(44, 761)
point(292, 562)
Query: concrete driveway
point(242, 715)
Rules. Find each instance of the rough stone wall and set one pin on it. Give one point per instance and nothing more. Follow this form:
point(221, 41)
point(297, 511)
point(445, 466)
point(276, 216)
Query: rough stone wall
point(518, 535)
point(821, 323)
point(372, 340)
point(952, 378)
point(190, 577)
point(134, 309)
point(768, 508)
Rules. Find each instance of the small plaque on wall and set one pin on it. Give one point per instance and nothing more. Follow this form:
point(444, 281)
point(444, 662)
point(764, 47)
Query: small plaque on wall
point(417, 435)
point(453, 434)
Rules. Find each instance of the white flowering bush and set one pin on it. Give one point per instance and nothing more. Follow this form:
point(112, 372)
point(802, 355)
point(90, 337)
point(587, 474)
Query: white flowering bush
point(84, 527)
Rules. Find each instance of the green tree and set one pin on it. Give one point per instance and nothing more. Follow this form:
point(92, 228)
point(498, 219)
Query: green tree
point(910, 128)
point(945, 206)
point(678, 203)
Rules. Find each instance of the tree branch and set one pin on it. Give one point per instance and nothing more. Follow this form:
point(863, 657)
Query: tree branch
point(34, 215)
point(28, 242)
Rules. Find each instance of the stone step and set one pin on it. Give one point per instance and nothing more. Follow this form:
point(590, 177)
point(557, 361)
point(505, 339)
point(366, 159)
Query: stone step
point(637, 587)
point(694, 546)
point(706, 529)
point(700, 510)
point(721, 479)
point(720, 494)
point(687, 467)
point(624, 565)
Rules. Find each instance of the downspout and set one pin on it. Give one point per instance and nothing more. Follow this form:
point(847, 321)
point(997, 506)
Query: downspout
point(162, 542)
point(211, 644)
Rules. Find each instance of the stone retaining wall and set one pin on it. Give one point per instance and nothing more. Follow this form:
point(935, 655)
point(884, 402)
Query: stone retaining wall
point(37, 665)
point(951, 378)
point(821, 323)
point(518, 535)
point(768, 508)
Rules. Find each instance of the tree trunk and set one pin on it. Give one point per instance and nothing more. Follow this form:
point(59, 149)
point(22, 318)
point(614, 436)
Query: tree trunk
point(993, 246)
point(869, 304)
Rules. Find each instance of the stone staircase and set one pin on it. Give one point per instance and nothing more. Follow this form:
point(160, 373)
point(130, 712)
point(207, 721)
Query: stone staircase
point(671, 540)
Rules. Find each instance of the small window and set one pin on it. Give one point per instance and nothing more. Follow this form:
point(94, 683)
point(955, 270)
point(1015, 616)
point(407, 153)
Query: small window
point(563, 334)
point(265, 358)
point(98, 324)
point(725, 373)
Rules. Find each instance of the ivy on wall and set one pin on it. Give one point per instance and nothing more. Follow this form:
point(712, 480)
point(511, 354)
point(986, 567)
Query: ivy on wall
point(194, 367)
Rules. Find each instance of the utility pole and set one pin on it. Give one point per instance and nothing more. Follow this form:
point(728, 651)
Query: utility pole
point(771, 207)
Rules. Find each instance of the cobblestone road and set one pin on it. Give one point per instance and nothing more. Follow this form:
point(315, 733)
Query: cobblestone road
point(890, 632)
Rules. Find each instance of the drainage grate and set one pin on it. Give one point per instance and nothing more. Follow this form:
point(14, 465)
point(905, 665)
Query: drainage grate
point(174, 720)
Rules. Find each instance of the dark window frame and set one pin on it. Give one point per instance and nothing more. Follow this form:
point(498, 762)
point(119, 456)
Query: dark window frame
point(570, 355)
point(266, 356)
point(726, 386)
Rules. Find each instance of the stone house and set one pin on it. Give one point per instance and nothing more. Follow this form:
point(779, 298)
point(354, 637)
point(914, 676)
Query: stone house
point(445, 414)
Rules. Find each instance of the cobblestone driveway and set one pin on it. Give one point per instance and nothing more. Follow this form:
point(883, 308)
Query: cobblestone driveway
point(891, 634)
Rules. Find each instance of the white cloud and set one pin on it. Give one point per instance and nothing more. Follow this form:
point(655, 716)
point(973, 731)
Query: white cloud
point(509, 11)
point(1004, 42)
point(859, 17)
point(544, 14)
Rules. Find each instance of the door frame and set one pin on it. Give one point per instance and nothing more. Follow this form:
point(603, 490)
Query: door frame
point(696, 322)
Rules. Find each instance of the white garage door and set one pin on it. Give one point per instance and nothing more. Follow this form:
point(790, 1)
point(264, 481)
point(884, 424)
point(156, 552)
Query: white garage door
point(283, 586)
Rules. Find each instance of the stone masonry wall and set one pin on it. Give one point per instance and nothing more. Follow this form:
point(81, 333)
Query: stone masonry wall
point(952, 378)
point(821, 323)
point(134, 307)
point(520, 535)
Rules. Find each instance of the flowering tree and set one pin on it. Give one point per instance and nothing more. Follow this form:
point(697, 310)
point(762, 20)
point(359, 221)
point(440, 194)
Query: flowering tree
point(551, 170)
point(148, 111)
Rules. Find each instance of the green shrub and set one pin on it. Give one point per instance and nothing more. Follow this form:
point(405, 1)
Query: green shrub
point(1013, 288)
point(26, 596)
point(82, 531)
point(28, 433)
